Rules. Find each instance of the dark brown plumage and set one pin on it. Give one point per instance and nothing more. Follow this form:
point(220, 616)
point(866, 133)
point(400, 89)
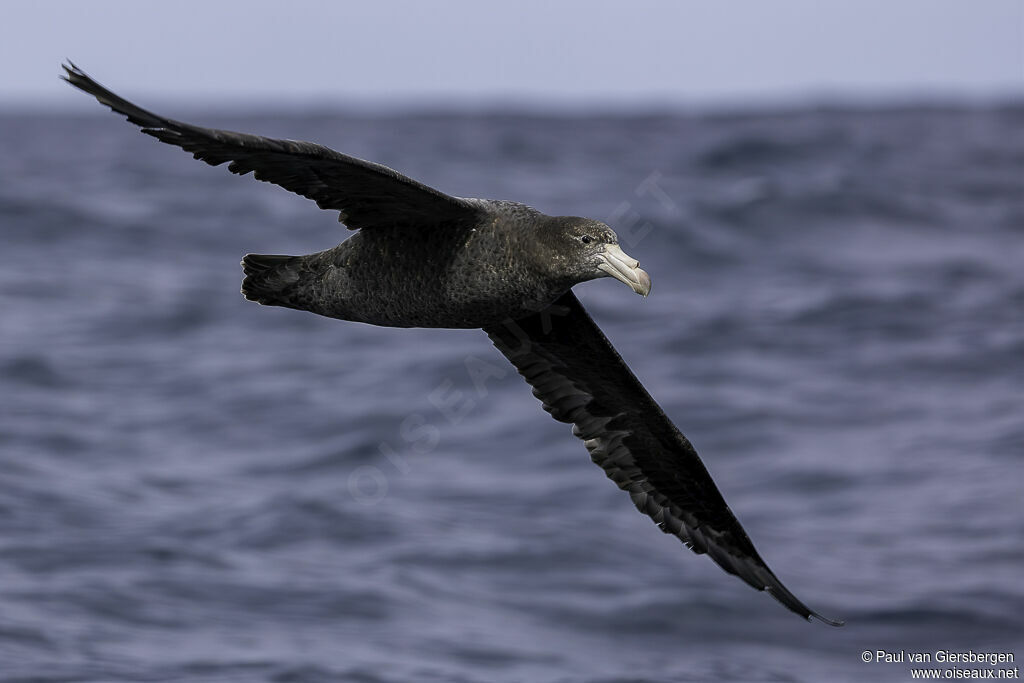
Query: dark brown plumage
point(582, 380)
point(422, 258)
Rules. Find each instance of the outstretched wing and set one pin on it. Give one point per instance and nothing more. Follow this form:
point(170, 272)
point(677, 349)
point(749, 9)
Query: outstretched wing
point(365, 193)
point(582, 380)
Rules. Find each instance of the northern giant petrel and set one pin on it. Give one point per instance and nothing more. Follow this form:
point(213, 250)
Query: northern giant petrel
point(422, 258)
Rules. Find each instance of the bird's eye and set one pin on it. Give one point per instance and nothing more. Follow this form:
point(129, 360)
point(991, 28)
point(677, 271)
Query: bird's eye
point(586, 239)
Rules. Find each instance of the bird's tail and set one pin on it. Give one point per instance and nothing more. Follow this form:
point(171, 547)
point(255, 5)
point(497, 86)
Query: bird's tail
point(270, 278)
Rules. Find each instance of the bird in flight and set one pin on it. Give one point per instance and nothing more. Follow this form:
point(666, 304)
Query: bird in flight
point(422, 258)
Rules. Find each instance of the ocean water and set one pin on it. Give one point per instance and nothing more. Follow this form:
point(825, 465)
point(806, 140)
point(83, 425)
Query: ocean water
point(197, 488)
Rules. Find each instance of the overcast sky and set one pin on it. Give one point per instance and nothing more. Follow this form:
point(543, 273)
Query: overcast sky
point(535, 52)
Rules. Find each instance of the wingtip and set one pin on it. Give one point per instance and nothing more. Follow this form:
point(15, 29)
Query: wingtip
point(788, 600)
point(70, 69)
point(825, 620)
point(72, 74)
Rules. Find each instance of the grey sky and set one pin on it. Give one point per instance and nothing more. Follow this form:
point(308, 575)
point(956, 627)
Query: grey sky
point(578, 51)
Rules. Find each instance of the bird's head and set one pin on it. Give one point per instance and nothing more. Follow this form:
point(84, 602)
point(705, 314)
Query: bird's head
point(587, 249)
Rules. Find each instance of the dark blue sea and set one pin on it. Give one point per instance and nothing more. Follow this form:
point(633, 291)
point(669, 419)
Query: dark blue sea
point(197, 488)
